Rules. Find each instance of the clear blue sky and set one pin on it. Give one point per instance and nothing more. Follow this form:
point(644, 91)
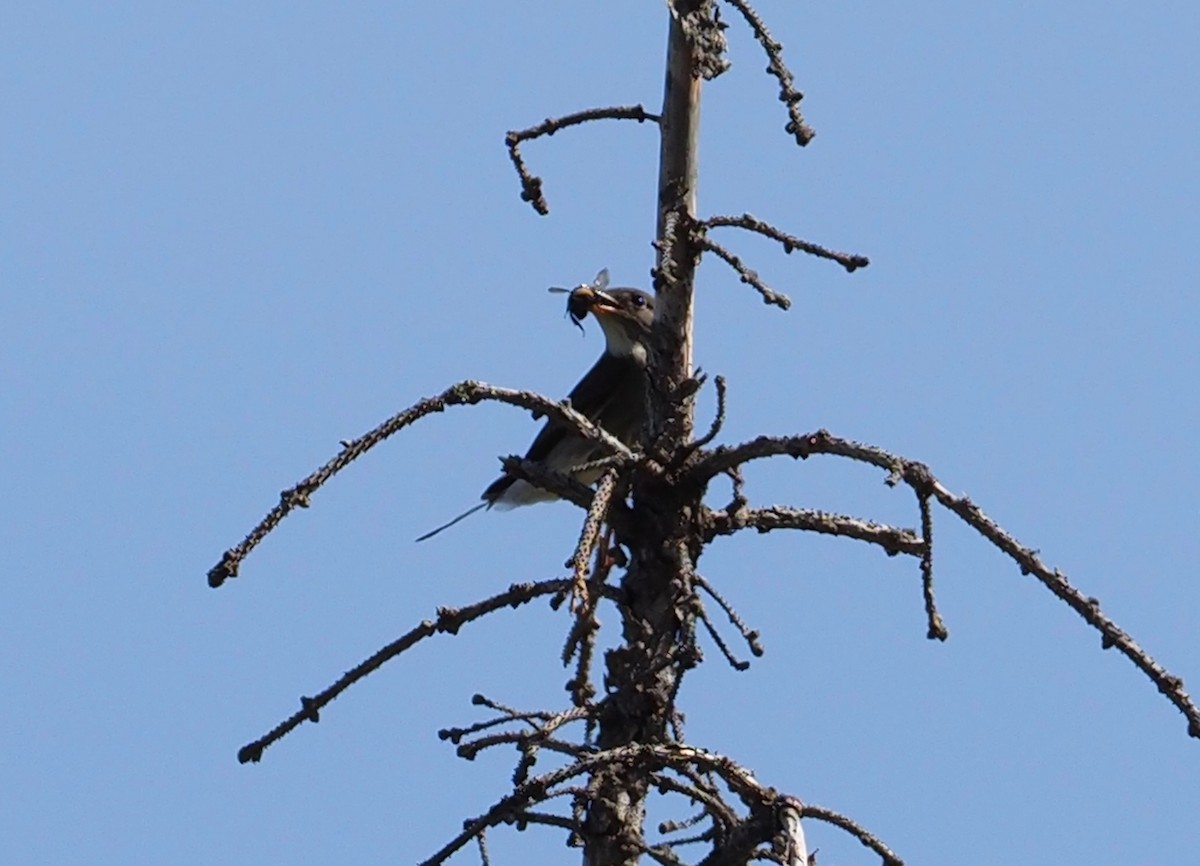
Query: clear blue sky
point(232, 234)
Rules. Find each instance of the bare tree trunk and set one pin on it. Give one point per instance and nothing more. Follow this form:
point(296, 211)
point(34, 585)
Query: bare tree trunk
point(677, 170)
point(644, 674)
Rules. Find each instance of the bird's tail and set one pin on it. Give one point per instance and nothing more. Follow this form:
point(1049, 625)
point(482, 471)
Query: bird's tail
point(466, 513)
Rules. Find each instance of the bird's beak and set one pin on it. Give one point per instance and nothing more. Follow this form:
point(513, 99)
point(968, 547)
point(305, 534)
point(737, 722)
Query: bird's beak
point(603, 302)
point(585, 299)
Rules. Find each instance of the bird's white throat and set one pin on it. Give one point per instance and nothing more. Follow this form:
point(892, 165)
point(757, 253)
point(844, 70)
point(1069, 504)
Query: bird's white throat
point(619, 342)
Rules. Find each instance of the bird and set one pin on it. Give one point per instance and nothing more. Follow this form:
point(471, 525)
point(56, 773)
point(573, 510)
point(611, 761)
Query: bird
point(611, 395)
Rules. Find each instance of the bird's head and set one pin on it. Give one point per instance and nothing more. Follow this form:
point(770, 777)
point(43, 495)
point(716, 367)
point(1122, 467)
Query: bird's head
point(625, 315)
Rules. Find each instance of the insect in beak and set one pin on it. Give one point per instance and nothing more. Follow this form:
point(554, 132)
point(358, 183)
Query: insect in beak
point(579, 298)
point(576, 307)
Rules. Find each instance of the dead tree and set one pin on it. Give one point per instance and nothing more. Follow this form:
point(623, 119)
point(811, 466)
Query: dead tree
point(591, 768)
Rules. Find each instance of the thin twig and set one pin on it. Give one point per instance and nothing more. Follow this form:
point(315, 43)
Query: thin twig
point(507, 717)
point(738, 501)
point(734, 662)
point(718, 419)
point(706, 836)
point(665, 827)
point(531, 185)
point(850, 261)
point(548, 819)
point(937, 628)
point(697, 790)
point(593, 525)
point(525, 741)
point(749, 635)
point(582, 636)
point(543, 724)
point(484, 859)
point(748, 276)
point(788, 94)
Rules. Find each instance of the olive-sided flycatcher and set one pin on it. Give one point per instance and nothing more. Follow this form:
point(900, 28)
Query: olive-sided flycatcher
point(611, 395)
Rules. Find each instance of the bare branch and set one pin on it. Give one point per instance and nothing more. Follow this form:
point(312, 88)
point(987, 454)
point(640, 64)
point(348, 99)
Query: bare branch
point(466, 393)
point(526, 743)
point(748, 276)
point(850, 261)
point(919, 478)
point(856, 830)
point(788, 94)
point(531, 185)
point(550, 820)
point(892, 539)
point(718, 420)
point(593, 524)
point(541, 722)
point(580, 685)
point(507, 716)
point(734, 662)
point(697, 790)
point(937, 628)
point(1089, 608)
point(484, 858)
point(666, 827)
point(726, 457)
point(748, 634)
point(449, 621)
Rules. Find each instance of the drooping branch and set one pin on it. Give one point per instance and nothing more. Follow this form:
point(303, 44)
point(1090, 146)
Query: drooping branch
point(531, 184)
point(749, 635)
point(1087, 607)
point(918, 476)
point(745, 274)
point(466, 393)
point(701, 614)
point(449, 621)
point(937, 628)
point(788, 94)
point(718, 420)
point(867, 838)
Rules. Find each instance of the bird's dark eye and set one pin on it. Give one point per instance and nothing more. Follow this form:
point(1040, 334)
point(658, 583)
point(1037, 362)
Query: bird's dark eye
point(639, 301)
